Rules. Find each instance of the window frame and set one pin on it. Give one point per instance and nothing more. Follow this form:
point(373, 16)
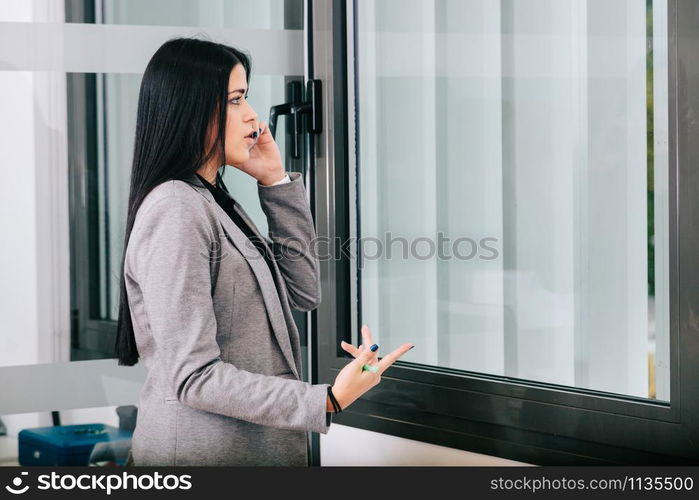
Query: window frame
point(517, 419)
point(90, 338)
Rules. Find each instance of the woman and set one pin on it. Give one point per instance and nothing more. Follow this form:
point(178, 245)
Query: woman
point(206, 300)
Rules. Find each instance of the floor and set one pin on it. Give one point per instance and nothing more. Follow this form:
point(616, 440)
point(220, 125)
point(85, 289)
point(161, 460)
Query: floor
point(8, 451)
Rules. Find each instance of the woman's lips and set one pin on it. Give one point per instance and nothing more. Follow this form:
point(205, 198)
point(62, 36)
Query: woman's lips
point(252, 136)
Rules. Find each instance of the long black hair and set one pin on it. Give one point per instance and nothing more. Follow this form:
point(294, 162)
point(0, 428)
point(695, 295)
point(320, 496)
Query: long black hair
point(185, 85)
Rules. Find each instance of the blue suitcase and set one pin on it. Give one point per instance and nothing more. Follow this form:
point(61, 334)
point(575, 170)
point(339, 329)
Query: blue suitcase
point(65, 444)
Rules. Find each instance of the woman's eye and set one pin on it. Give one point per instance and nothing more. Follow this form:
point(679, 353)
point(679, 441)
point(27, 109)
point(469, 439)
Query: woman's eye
point(237, 99)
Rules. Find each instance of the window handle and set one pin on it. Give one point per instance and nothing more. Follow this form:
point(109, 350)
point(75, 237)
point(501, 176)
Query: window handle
point(297, 108)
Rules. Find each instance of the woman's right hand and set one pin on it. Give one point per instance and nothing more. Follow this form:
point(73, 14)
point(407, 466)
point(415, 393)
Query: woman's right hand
point(352, 381)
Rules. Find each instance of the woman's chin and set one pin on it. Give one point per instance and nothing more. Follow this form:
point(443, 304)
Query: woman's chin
point(238, 159)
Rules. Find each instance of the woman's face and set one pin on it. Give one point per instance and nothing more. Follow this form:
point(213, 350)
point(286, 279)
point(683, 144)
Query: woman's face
point(241, 119)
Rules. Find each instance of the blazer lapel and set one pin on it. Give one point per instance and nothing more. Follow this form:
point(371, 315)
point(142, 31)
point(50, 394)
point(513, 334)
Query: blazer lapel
point(281, 284)
point(259, 268)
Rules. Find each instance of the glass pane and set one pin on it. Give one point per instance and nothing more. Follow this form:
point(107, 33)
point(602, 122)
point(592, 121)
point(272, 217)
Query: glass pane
point(245, 14)
point(513, 187)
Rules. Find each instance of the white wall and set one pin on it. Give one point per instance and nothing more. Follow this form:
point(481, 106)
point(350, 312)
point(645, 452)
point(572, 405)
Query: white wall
point(348, 446)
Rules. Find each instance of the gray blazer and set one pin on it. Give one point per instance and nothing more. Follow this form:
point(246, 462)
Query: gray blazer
point(214, 329)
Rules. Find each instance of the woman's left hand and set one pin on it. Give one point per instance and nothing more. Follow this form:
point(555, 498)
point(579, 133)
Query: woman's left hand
point(367, 342)
point(265, 162)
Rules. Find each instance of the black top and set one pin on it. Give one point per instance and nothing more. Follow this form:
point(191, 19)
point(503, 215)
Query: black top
point(226, 202)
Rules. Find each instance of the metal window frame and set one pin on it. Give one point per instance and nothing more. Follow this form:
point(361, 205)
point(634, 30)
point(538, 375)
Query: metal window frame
point(517, 419)
point(90, 338)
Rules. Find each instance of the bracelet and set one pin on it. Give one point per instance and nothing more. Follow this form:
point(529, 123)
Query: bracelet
point(332, 400)
point(336, 405)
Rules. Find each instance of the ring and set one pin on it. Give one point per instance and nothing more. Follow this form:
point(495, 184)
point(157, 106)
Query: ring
point(369, 368)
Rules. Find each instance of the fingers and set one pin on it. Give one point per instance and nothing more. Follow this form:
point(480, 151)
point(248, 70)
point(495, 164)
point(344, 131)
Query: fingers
point(264, 135)
point(350, 349)
point(370, 357)
point(389, 359)
point(367, 338)
point(368, 341)
point(263, 129)
point(365, 356)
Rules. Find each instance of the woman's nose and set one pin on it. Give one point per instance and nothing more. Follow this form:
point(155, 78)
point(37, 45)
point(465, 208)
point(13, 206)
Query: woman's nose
point(251, 114)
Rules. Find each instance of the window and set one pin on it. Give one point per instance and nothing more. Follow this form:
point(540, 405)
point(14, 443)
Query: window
point(509, 189)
